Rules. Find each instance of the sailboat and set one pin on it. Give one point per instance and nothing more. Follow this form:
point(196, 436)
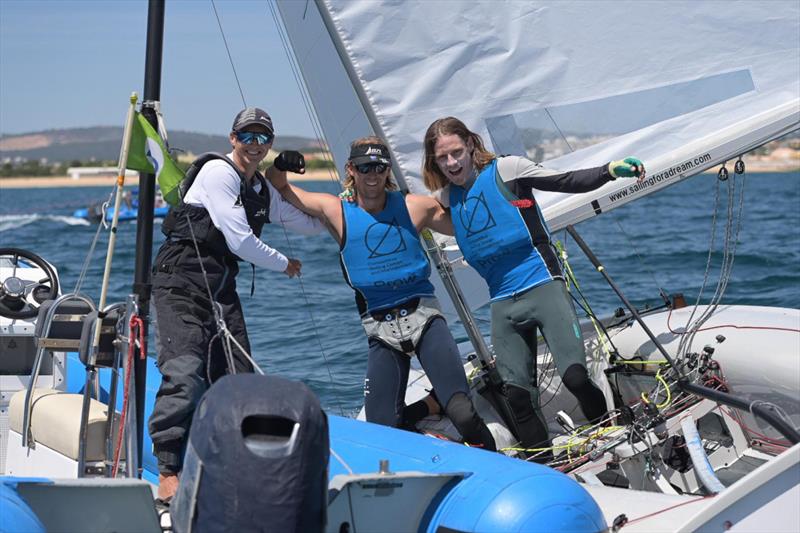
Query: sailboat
point(533, 78)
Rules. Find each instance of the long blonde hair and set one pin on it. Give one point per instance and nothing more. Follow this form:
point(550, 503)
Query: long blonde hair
point(431, 174)
point(349, 179)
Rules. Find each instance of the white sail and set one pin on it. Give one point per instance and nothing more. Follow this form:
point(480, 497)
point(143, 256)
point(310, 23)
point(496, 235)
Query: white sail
point(682, 85)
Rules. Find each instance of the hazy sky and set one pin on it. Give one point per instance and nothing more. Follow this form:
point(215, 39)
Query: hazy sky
point(69, 63)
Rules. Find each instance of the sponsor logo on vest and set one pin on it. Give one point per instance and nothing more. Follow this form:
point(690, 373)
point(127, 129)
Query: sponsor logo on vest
point(475, 215)
point(261, 213)
point(382, 239)
point(488, 261)
point(238, 202)
point(395, 283)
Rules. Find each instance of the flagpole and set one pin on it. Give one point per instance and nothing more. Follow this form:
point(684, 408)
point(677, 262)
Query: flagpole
point(144, 217)
point(112, 239)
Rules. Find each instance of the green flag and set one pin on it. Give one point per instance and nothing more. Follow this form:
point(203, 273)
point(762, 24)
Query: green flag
point(148, 154)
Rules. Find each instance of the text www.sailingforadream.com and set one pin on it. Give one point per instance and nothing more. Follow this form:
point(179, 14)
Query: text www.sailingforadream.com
point(669, 173)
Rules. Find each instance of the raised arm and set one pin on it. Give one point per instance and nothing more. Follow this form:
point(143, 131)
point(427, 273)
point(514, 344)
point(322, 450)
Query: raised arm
point(309, 202)
point(426, 212)
point(519, 173)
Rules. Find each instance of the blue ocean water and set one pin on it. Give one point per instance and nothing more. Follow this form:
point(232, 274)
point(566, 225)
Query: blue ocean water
point(308, 329)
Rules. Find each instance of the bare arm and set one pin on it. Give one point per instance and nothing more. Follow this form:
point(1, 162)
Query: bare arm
point(426, 212)
point(312, 203)
point(323, 206)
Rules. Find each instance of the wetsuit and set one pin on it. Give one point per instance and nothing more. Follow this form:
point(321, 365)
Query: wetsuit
point(503, 235)
point(384, 263)
point(225, 213)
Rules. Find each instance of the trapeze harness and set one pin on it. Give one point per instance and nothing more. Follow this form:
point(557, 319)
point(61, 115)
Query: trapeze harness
point(501, 236)
point(219, 262)
point(384, 264)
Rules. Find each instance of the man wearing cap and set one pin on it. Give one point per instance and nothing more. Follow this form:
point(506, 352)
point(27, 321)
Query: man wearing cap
point(225, 204)
point(383, 261)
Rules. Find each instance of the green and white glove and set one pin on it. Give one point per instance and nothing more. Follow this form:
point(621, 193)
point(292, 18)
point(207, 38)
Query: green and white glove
point(630, 167)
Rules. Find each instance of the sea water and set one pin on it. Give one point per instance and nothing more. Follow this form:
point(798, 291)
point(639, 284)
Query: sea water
point(308, 329)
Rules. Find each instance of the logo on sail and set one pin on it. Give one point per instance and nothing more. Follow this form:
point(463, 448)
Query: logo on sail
point(475, 215)
point(384, 239)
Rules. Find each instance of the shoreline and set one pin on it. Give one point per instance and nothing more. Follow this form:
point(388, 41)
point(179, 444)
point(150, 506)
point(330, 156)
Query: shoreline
point(41, 182)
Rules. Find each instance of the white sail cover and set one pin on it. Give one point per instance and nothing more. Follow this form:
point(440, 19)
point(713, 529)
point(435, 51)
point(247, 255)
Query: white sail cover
point(681, 85)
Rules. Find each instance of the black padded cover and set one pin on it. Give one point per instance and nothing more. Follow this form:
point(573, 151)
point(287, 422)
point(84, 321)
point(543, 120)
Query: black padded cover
point(257, 459)
point(106, 350)
point(67, 330)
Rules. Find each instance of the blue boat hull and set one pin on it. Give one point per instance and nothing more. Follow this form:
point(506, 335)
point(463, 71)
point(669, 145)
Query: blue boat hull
point(125, 213)
point(497, 494)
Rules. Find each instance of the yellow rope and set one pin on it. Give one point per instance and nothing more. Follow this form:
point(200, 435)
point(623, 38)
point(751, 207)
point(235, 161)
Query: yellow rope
point(668, 400)
point(571, 276)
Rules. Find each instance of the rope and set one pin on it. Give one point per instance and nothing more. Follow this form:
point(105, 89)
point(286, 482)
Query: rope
point(88, 260)
point(346, 466)
point(230, 58)
point(135, 326)
point(304, 96)
point(223, 332)
point(314, 325)
point(328, 157)
point(728, 254)
point(218, 319)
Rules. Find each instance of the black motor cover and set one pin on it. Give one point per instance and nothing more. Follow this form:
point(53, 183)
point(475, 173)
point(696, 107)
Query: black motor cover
point(257, 459)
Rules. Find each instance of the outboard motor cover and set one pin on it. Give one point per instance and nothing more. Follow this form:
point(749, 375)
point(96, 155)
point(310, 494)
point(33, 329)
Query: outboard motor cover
point(256, 460)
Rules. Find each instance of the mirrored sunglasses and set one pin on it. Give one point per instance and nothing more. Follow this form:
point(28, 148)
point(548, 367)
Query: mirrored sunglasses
point(248, 137)
point(366, 168)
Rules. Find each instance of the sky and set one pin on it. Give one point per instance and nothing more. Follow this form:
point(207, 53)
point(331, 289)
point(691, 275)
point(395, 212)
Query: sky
point(70, 63)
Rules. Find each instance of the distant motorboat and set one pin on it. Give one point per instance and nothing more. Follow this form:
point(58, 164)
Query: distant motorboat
point(128, 211)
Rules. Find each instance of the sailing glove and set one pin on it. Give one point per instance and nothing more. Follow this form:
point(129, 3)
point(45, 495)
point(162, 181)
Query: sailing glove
point(290, 161)
point(630, 167)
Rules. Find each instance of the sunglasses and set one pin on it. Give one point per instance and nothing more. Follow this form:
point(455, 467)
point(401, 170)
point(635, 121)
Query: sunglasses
point(248, 137)
point(366, 168)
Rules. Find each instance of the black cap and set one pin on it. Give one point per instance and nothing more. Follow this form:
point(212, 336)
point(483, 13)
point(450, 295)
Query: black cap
point(250, 116)
point(370, 153)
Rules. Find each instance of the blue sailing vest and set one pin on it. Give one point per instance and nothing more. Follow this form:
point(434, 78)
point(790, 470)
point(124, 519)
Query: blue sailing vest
point(381, 256)
point(494, 238)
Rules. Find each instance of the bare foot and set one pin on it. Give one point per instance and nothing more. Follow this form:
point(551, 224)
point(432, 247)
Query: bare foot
point(167, 486)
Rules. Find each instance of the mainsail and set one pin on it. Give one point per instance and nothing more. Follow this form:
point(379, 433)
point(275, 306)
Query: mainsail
point(682, 85)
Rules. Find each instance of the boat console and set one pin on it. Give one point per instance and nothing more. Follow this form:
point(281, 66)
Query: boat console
point(26, 282)
point(46, 430)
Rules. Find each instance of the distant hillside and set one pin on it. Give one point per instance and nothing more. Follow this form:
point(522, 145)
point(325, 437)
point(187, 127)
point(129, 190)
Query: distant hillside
point(102, 143)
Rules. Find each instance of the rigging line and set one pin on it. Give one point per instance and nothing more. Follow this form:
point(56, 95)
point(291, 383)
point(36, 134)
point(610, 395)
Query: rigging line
point(304, 96)
point(218, 318)
point(685, 341)
point(90, 253)
point(317, 132)
point(571, 149)
point(230, 58)
point(729, 252)
point(314, 325)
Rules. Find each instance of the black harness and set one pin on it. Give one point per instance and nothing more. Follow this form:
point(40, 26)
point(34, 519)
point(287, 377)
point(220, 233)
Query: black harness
point(178, 262)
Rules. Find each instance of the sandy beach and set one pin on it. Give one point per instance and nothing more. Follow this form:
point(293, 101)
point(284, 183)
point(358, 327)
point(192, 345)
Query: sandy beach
point(754, 164)
point(108, 181)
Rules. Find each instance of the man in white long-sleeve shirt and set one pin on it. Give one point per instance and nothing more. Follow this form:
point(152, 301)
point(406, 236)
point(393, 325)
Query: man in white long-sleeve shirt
point(218, 223)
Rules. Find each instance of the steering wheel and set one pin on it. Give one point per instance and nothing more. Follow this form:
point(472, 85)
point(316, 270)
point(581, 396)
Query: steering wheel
point(15, 291)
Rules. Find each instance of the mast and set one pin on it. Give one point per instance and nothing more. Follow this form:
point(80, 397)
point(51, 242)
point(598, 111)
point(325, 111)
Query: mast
point(144, 217)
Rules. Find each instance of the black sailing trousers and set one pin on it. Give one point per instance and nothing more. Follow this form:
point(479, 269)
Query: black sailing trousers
point(190, 354)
